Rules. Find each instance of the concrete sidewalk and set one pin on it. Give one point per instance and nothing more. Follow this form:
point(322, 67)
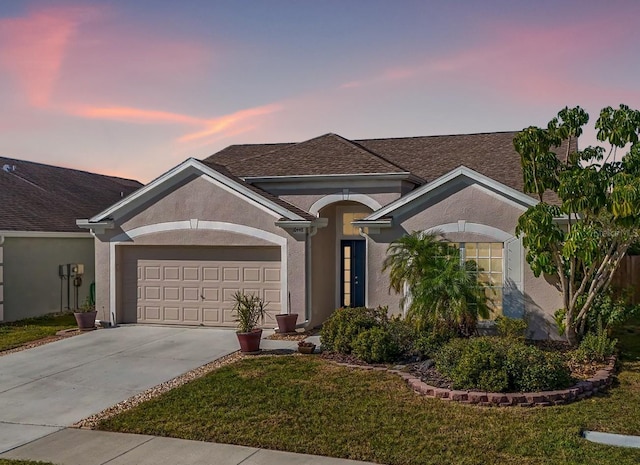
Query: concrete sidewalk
point(85, 447)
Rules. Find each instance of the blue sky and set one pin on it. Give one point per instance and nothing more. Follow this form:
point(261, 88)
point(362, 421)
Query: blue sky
point(132, 88)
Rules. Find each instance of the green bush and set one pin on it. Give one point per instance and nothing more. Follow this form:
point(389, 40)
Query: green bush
point(531, 369)
point(402, 333)
point(428, 343)
point(345, 324)
point(609, 312)
point(376, 345)
point(595, 347)
point(513, 328)
point(501, 365)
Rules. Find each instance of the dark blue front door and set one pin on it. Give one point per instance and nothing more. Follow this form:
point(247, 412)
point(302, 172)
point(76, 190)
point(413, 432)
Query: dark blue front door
point(352, 273)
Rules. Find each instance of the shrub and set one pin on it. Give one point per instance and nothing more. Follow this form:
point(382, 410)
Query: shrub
point(531, 369)
point(501, 365)
point(402, 333)
point(513, 328)
point(345, 324)
point(376, 345)
point(595, 347)
point(609, 312)
point(428, 343)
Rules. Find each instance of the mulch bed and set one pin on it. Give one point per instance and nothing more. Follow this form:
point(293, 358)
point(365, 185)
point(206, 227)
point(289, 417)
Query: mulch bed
point(295, 336)
point(427, 372)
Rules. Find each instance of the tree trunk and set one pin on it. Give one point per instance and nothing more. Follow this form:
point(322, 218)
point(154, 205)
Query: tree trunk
point(572, 336)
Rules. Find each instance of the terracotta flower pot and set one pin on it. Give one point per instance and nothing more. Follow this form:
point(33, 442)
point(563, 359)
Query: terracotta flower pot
point(250, 342)
point(86, 320)
point(287, 322)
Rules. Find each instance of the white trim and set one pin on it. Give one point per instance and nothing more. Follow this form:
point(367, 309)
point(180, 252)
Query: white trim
point(179, 173)
point(127, 236)
point(477, 228)
point(323, 177)
point(502, 190)
point(47, 234)
point(352, 197)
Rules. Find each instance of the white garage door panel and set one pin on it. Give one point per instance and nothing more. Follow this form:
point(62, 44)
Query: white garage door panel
point(200, 292)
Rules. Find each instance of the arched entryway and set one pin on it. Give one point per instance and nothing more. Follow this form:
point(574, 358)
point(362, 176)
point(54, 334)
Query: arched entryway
point(339, 257)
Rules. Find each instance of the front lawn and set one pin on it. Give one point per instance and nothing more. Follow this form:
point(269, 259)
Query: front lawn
point(22, 462)
point(20, 332)
point(305, 404)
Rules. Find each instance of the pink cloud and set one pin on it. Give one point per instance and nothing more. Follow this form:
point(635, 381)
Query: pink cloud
point(33, 48)
point(222, 126)
point(229, 122)
point(133, 115)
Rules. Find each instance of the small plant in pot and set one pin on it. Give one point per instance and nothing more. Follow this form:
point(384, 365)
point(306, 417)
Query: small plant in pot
point(86, 315)
point(249, 310)
point(305, 347)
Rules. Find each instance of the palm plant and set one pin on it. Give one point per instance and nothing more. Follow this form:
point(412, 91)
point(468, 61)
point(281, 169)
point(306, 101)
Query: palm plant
point(438, 288)
point(249, 310)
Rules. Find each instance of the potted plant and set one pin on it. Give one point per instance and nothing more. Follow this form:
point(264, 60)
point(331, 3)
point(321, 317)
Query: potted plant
point(86, 315)
point(305, 347)
point(287, 322)
point(249, 310)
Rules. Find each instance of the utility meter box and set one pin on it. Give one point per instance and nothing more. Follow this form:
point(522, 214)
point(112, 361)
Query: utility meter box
point(77, 269)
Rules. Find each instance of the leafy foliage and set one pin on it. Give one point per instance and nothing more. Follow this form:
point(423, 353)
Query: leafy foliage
point(340, 331)
point(598, 197)
point(501, 365)
point(441, 289)
point(513, 328)
point(376, 345)
point(249, 310)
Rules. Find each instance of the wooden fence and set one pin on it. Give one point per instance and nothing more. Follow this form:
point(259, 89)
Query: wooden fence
point(628, 276)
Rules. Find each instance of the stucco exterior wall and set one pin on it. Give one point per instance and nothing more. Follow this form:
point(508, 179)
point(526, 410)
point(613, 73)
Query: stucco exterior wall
point(324, 268)
point(30, 274)
point(472, 205)
point(198, 199)
point(306, 200)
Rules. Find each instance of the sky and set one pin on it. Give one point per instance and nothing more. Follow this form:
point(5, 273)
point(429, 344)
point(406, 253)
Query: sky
point(131, 88)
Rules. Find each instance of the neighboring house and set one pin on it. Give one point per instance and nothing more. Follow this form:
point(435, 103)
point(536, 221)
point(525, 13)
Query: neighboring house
point(39, 205)
point(306, 226)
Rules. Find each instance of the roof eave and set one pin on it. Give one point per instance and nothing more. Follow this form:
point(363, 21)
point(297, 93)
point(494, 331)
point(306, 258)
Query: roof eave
point(403, 176)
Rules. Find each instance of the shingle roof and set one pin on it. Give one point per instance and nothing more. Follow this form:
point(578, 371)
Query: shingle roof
point(277, 200)
point(428, 157)
point(327, 154)
point(38, 197)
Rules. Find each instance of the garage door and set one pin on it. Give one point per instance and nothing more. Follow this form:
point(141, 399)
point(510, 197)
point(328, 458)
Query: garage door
point(195, 286)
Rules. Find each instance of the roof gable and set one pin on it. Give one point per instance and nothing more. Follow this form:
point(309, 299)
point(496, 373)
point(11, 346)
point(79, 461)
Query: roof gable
point(45, 198)
point(462, 173)
point(273, 205)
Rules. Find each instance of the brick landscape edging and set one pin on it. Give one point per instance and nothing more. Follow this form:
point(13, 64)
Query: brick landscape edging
point(582, 390)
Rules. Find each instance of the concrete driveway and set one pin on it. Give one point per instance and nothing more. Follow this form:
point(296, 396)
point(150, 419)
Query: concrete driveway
point(49, 387)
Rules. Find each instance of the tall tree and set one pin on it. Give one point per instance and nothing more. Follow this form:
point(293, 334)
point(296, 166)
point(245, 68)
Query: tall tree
point(589, 209)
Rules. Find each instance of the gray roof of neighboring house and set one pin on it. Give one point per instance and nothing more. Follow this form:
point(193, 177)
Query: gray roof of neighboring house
point(427, 157)
point(38, 197)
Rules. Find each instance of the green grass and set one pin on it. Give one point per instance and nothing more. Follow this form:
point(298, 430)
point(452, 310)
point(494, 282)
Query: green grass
point(303, 404)
point(22, 462)
point(20, 332)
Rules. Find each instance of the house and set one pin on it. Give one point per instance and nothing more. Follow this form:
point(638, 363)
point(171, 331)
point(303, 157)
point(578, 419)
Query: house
point(40, 243)
point(306, 226)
